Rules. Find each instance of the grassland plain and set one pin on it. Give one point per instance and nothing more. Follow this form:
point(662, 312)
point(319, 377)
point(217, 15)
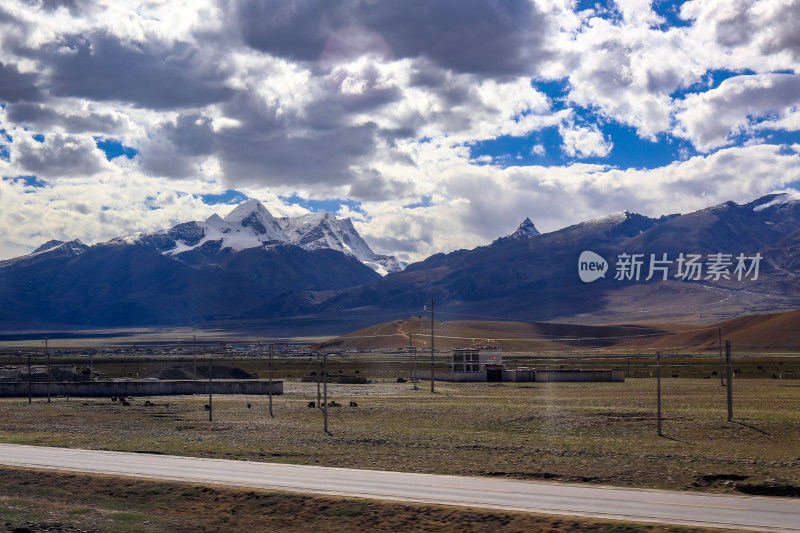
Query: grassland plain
point(64, 502)
point(599, 433)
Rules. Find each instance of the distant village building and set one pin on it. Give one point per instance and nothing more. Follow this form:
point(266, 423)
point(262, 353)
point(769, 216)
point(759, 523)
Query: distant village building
point(475, 359)
point(486, 364)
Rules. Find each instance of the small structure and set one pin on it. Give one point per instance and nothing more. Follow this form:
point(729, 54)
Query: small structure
point(486, 364)
point(475, 359)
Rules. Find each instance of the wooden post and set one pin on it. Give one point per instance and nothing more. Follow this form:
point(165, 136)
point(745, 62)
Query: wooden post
point(194, 360)
point(414, 366)
point(658, 388)
point(271, 371)
point(325, 388)
point(721, 364)
point(210, 392)
point(47, 361)
point(319, 378)
point(730, 379)
point(432, 360)
point(30, 400)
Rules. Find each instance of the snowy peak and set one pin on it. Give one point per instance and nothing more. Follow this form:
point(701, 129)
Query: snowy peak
point(323, 230)
point(526, 230)
point(245, 210)
point(778, 199)
point(73, 247)
point(252, 214)
point(52, 248)
point(49, 245)
point(251, 225)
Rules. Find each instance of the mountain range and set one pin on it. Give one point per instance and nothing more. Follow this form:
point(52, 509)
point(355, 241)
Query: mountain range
point(717, 263)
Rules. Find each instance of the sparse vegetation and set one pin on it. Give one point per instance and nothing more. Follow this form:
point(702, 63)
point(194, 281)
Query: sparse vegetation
point(599, 433)
point(109, 504)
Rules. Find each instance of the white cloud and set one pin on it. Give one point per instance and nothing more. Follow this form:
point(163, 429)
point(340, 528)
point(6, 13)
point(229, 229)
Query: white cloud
point(584, 141)
point(364, 102)
point(57, 156)
point(472, 206)
point(709, 119)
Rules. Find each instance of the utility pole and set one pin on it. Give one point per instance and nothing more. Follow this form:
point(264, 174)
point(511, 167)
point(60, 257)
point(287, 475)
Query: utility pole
point(30, 400)
point(271, 371)
point(730, 379)
point(432, 361)
point(210, 392)
point(658, 388)
point(47, 361)
point(319, 377)
point(325, 398)
point(721, 364)
point(414, 366)
point(194, 359)
point(413, 352)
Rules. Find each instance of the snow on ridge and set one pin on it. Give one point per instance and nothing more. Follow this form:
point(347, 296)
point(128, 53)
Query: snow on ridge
point(787, 197)
point(610, 219)
point(251, 225)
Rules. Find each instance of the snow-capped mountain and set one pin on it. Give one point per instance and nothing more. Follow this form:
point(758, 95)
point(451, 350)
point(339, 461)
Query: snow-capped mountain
point(323, 230)
point(52, 248)
point(251, 225)
point(251, 265)
point(526, 230)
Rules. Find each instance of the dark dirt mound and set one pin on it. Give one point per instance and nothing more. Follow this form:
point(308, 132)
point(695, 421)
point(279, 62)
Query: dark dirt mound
point(187, 372)
point(39, 374)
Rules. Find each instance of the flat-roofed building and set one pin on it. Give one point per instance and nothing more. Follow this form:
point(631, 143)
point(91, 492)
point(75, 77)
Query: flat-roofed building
point(475, 359)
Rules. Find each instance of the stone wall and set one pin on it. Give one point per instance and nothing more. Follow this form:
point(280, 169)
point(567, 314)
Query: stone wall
point(141, 388)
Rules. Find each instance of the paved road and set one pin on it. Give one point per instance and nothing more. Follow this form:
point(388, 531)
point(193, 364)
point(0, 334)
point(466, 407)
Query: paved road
point(738, 512)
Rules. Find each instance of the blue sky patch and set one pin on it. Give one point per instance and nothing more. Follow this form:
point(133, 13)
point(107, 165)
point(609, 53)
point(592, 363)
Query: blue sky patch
point(711, 80)
point(316, 206)
point(230, 196)
point(670, 10)
point(425, 201)
point(28, 181)
point(544, 148)
point(114, 148)
point(556, 90)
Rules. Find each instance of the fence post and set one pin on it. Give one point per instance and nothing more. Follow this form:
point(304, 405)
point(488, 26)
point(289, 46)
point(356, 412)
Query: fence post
point(658, 389)
point(730, 379)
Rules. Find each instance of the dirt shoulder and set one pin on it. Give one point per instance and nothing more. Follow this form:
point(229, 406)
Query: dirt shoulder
point(32, 500)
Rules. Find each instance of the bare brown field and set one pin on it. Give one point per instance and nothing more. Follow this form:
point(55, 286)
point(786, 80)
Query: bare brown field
point(768, 333)
point(778, 332)
point(513, 336)
point(601, 433)
point(52, 501)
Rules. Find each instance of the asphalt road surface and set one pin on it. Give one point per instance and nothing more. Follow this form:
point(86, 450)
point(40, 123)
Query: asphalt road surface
point(642, 505)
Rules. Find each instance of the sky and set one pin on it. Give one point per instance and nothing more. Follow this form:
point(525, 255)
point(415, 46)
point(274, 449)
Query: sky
point(434, 125)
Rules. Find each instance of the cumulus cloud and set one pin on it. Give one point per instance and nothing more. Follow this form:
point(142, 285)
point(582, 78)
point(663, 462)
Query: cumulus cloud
point(16, 85)
point(57, 156)
point(736, 106)
point(484, 203)
point(49, 118)
point(382, 104)
point(584, 141)
point(471, 36)
point(101, 66)
point(755, 34)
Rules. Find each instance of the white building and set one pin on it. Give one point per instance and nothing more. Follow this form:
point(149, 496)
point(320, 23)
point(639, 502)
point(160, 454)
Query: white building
point(475, 359)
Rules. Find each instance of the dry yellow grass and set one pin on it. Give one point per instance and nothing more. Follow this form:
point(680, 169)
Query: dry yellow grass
point(601, 433)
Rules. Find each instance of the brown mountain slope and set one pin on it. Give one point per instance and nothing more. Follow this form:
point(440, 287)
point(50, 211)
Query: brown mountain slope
point(512, 336)
point(777, 332)
point(774, 332)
